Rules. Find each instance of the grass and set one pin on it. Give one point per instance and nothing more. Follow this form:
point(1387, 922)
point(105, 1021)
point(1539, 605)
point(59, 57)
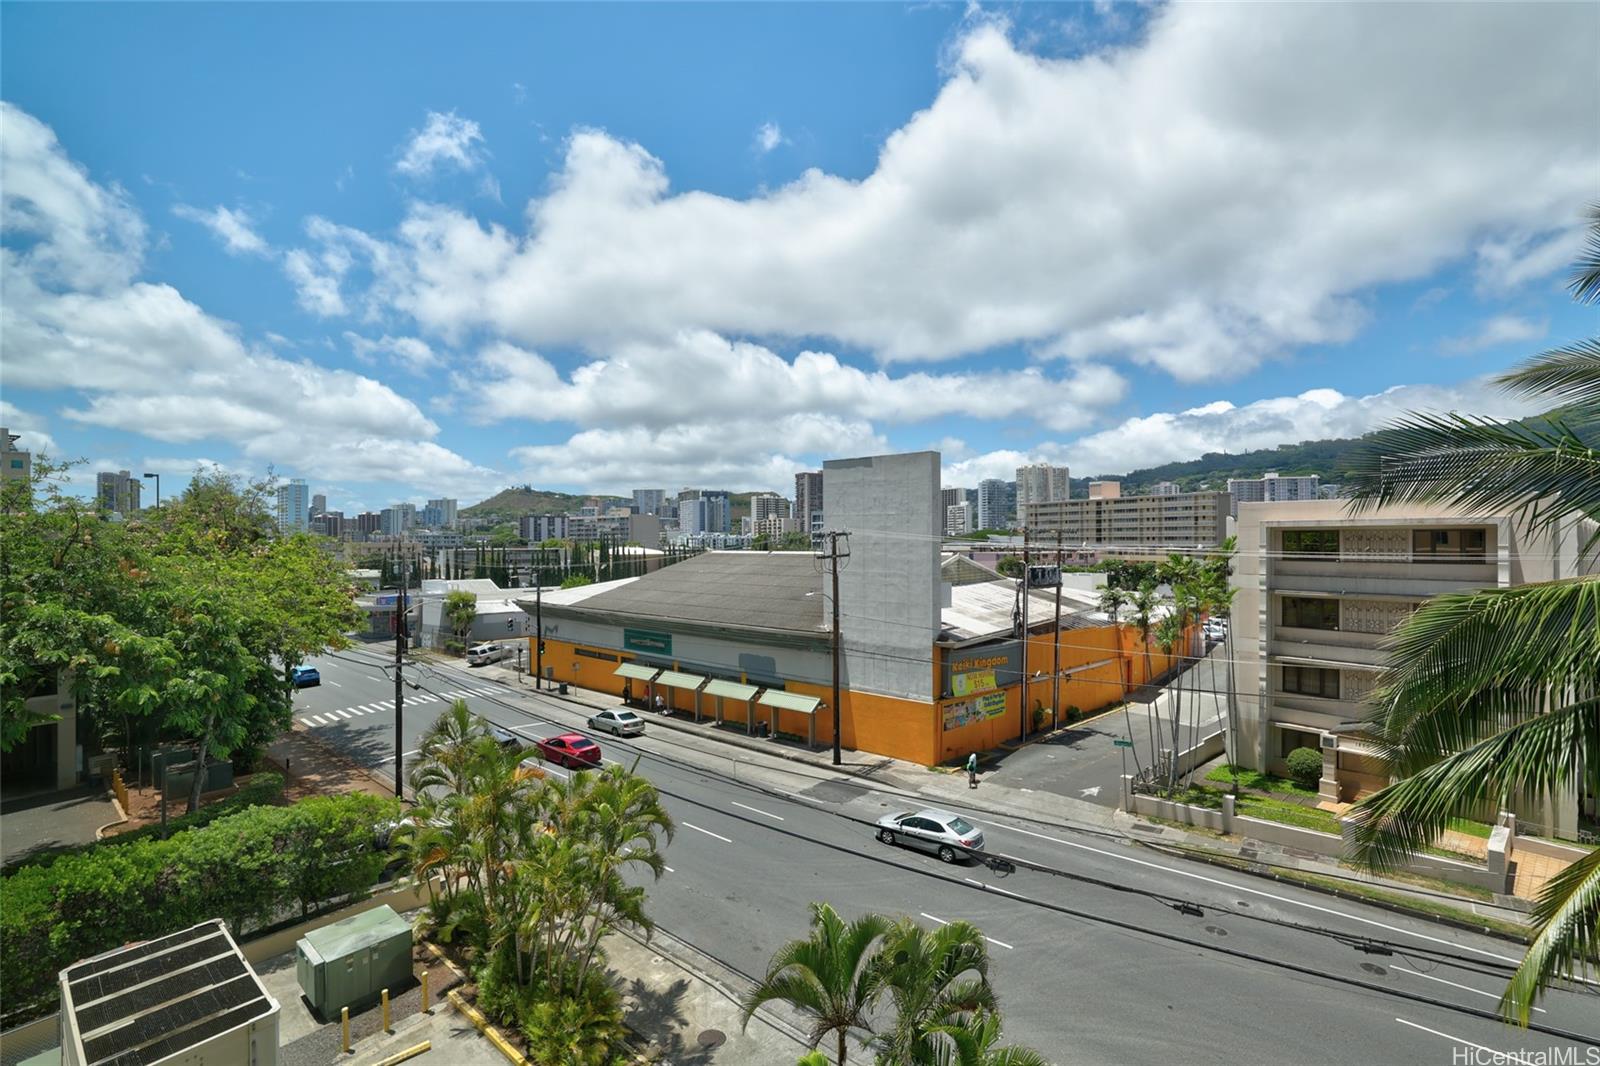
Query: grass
point(1471, 828)
point(1267, 808)
point(1433, 884)
point(1256, 779)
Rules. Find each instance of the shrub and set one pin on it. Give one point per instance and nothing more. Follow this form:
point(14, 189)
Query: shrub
point(454, 647)
point(251, 868)
point(1073, 714)
point(1305, 767)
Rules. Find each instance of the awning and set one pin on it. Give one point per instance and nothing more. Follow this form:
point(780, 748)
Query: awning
point(788, 701)
point(673, 679)
point(731, 689)
point(637, 672)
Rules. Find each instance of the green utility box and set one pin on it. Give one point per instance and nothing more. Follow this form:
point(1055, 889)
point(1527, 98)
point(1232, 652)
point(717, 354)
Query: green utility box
point(348, 963)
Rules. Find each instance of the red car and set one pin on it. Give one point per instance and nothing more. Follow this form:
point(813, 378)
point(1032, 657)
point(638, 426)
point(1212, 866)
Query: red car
point(570, 749)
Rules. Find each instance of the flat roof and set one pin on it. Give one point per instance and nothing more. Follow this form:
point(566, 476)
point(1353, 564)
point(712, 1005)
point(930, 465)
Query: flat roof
point(985, 609)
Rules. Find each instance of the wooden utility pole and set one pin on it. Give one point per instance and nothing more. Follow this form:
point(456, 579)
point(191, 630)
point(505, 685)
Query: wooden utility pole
point(538, 636)
point(1027, 711)
point(834, 557)
point(399, 665)
point(1055, 640)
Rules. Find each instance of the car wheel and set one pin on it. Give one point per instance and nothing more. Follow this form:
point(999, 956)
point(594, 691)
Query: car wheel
point(947, 853)
point(886, 835)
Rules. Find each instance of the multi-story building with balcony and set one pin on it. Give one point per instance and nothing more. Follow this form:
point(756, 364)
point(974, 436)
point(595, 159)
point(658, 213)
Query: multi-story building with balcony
point(1273, 488)
point(1135, 525)
point(1318, 591)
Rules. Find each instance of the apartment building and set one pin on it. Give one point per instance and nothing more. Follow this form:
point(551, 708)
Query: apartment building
point(1165, 488)
point(538, 528)
point(649, 501)
point(765, 506)
point(958, 519)
point(1319, 589)
point(117, 491)
point(1135, 525)
point(440, 514)
point(1041, 483)
point(1272, 488)
point(994, 511)
point(808, 502)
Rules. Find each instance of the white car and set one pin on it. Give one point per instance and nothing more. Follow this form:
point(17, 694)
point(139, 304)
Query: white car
point(480, 654)
point(943, 833)
point(623, 723)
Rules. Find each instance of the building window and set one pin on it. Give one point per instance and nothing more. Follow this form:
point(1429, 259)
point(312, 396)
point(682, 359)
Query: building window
point(1310, 542)
point(1290, 739)
point(1311, 681)
point(1310, 612)
point(588, 654)
point(1448, 545)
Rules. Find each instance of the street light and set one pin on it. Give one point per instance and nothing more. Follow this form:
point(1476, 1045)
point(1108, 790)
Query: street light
point(158, 489)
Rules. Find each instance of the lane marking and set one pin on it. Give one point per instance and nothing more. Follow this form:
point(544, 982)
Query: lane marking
point(931, 918)
point(707, 832)
point(757, 810)
point(1002, 943)
point(994, 888)
point(1027, 790)
point(1499, 1056)
point(335, 684)
point(669, 869)
point(1452, 984)
point(1231, 887)
point(990, 939)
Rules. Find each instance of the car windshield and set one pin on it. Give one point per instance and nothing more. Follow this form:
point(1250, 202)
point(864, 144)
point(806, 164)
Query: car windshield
point(581, 743)
point(626, 716)
point(960, 825)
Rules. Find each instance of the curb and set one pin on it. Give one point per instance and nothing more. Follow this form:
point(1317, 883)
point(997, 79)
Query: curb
point(475, 1016)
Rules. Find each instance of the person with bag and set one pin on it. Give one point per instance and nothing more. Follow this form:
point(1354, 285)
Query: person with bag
point(972, 770)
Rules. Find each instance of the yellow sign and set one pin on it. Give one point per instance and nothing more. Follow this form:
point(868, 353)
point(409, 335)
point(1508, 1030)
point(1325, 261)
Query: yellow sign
point(993, 705)
point(972, 682)
point(971, 664)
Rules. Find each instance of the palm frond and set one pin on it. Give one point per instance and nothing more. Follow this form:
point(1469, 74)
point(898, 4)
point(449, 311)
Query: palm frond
point(1569, 374)
point(1585, 281)
point(1568, 944)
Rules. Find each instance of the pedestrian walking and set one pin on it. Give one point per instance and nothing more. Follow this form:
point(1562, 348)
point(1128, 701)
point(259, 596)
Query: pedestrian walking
point(661, 704)
point(972, 770)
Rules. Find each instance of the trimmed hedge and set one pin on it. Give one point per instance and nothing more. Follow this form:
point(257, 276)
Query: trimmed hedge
point(251, 868)
point(1305, 767)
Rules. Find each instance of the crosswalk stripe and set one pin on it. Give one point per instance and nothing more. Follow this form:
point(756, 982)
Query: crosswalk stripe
point(344, 714)
point(317, 718)
point(306, 722)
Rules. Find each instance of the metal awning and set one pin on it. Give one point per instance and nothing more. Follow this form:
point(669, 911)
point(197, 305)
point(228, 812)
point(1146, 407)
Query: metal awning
point(731, 689)
point(637, 672)
point(673, 679)
point(788, 701)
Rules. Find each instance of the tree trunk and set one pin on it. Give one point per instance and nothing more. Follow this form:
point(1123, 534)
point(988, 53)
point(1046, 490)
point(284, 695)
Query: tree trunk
point(842, 1035)
point(199, 784)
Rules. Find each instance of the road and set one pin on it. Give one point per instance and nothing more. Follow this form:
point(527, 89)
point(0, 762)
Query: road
point(1102, 951)
point(1085, 763)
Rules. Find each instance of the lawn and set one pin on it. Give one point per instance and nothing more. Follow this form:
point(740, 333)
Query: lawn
point(1267, 808)
point(1263, 782)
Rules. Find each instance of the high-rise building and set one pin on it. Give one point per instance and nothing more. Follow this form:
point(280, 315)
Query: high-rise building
point(328, 523)
point(15, 464)
point(950, 497)
point(444, 513)
point(1164, 488)
point(649, 501)
point(993, 511)
point(538, 528)
point(808, 501)
point(1041, 483)
point(294, 507)
point(958, 519)
point(319, 504)
point(369, 522)
point(765, 505)
point(1270, 488)
point(1140, 525)
point(706, 513)
point(117, 491)
point(401, 518)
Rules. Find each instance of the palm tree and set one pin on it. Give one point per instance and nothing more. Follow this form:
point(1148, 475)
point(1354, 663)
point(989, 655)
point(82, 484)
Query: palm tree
point(833, 975)
point(1496, 692)
point(933, 978)
point(971, 1042)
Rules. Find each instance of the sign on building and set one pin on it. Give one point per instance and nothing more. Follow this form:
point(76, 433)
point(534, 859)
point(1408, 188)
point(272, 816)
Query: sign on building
point(646, 641)
point(1041, 576)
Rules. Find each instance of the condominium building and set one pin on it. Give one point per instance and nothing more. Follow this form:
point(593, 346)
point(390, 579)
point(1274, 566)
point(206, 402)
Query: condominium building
point(649, 501)
point(537, 528)
point(117, 491)
point(994, 511)
point(1272, 488)
point(319, 504)
point(1164, 488)
point(440, 514)
point(1135, 525)
point(951, 497)
point(767, 505)
point(399, 519)
point(1319, 590)
point(958, 519)
point(368, 522)
point(1041, 483)
point(705, 513)
point(328, 523)
point(294, 507)
point(808, 501)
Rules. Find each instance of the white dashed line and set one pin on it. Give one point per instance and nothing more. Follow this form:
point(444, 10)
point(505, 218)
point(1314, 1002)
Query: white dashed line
point(669, 869)
point(335, 684)
point(1498, 1056)
point(990, 939)
point(994, 888)
point(1452, 984)
point(757, 810)
point(707, 832)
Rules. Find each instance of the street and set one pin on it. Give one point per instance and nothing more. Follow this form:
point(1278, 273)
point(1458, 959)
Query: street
point(1101, 951)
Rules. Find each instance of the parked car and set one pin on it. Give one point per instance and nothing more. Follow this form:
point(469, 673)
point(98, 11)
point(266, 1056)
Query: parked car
point(303, 676)
point(623, 723)
point(482, 654)
point(505, 737)
point(1216, 629)
point(570, 749)
point(942, 833)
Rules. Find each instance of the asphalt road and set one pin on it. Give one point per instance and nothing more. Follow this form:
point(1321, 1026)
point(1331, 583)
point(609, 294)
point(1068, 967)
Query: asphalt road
point(1093, 959)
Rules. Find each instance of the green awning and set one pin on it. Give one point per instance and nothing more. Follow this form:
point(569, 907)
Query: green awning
point(732, 690)
point(788, 701)
point(637, 672)
point(673, 679)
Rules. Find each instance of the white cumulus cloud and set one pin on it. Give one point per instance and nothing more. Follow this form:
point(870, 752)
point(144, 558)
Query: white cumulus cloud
point(445, 140)
point(235, 229)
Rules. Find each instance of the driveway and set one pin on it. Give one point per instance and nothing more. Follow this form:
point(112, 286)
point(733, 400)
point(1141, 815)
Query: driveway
point(1084, 762)
point(53, 820)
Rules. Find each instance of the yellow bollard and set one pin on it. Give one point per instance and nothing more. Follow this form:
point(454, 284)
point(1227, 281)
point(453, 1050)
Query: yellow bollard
point(344, 1026)
point(386, 1010)
point(424, 1005)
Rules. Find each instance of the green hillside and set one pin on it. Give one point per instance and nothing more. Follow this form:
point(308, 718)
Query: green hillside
point(1326, 458)
point(525, 499)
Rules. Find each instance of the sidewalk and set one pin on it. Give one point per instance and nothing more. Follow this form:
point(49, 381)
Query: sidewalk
point(996, 795)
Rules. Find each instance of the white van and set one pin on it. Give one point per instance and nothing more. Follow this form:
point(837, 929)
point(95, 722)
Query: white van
point(480, 654)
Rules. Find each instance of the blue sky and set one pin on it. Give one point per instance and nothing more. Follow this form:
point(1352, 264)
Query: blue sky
point(414, 250)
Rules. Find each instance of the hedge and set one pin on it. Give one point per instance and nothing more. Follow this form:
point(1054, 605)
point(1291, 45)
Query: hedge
point(252, 868)
point(263, 789)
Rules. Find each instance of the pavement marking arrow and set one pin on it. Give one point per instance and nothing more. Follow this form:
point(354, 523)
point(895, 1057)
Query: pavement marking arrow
point(1095, 791)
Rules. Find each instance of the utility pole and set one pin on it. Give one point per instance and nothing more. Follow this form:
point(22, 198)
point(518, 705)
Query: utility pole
point(1026, 710)
point(1055, 640)
point(538, 636)
point(399, 665)
point(834, 557)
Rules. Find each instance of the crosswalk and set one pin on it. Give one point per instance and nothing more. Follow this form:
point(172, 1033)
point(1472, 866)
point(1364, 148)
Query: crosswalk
point(345, 714)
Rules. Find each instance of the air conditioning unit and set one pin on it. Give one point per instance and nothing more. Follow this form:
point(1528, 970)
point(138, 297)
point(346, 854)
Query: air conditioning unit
point(1330, 742)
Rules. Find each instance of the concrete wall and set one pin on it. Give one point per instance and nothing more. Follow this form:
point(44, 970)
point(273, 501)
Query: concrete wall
point(889, 588)
point(65, 705)
point(1151, 806)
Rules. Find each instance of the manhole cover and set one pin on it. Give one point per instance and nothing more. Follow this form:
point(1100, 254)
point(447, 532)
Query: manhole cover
point(710, 1038)
point(1216, 930)
point(1243, 903)
point(1374, 968)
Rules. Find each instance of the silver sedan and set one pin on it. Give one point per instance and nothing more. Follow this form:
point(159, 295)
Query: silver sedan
point(942, 833)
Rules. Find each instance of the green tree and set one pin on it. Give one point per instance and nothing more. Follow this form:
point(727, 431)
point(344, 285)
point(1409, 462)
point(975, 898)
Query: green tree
point(461, 610)
point(833, 976)
point(932, 978)
point(572, 581)
point(1010, 566)
point(973, 1040)
point(1495, 692)
point(795, 542)
point(762, 542)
